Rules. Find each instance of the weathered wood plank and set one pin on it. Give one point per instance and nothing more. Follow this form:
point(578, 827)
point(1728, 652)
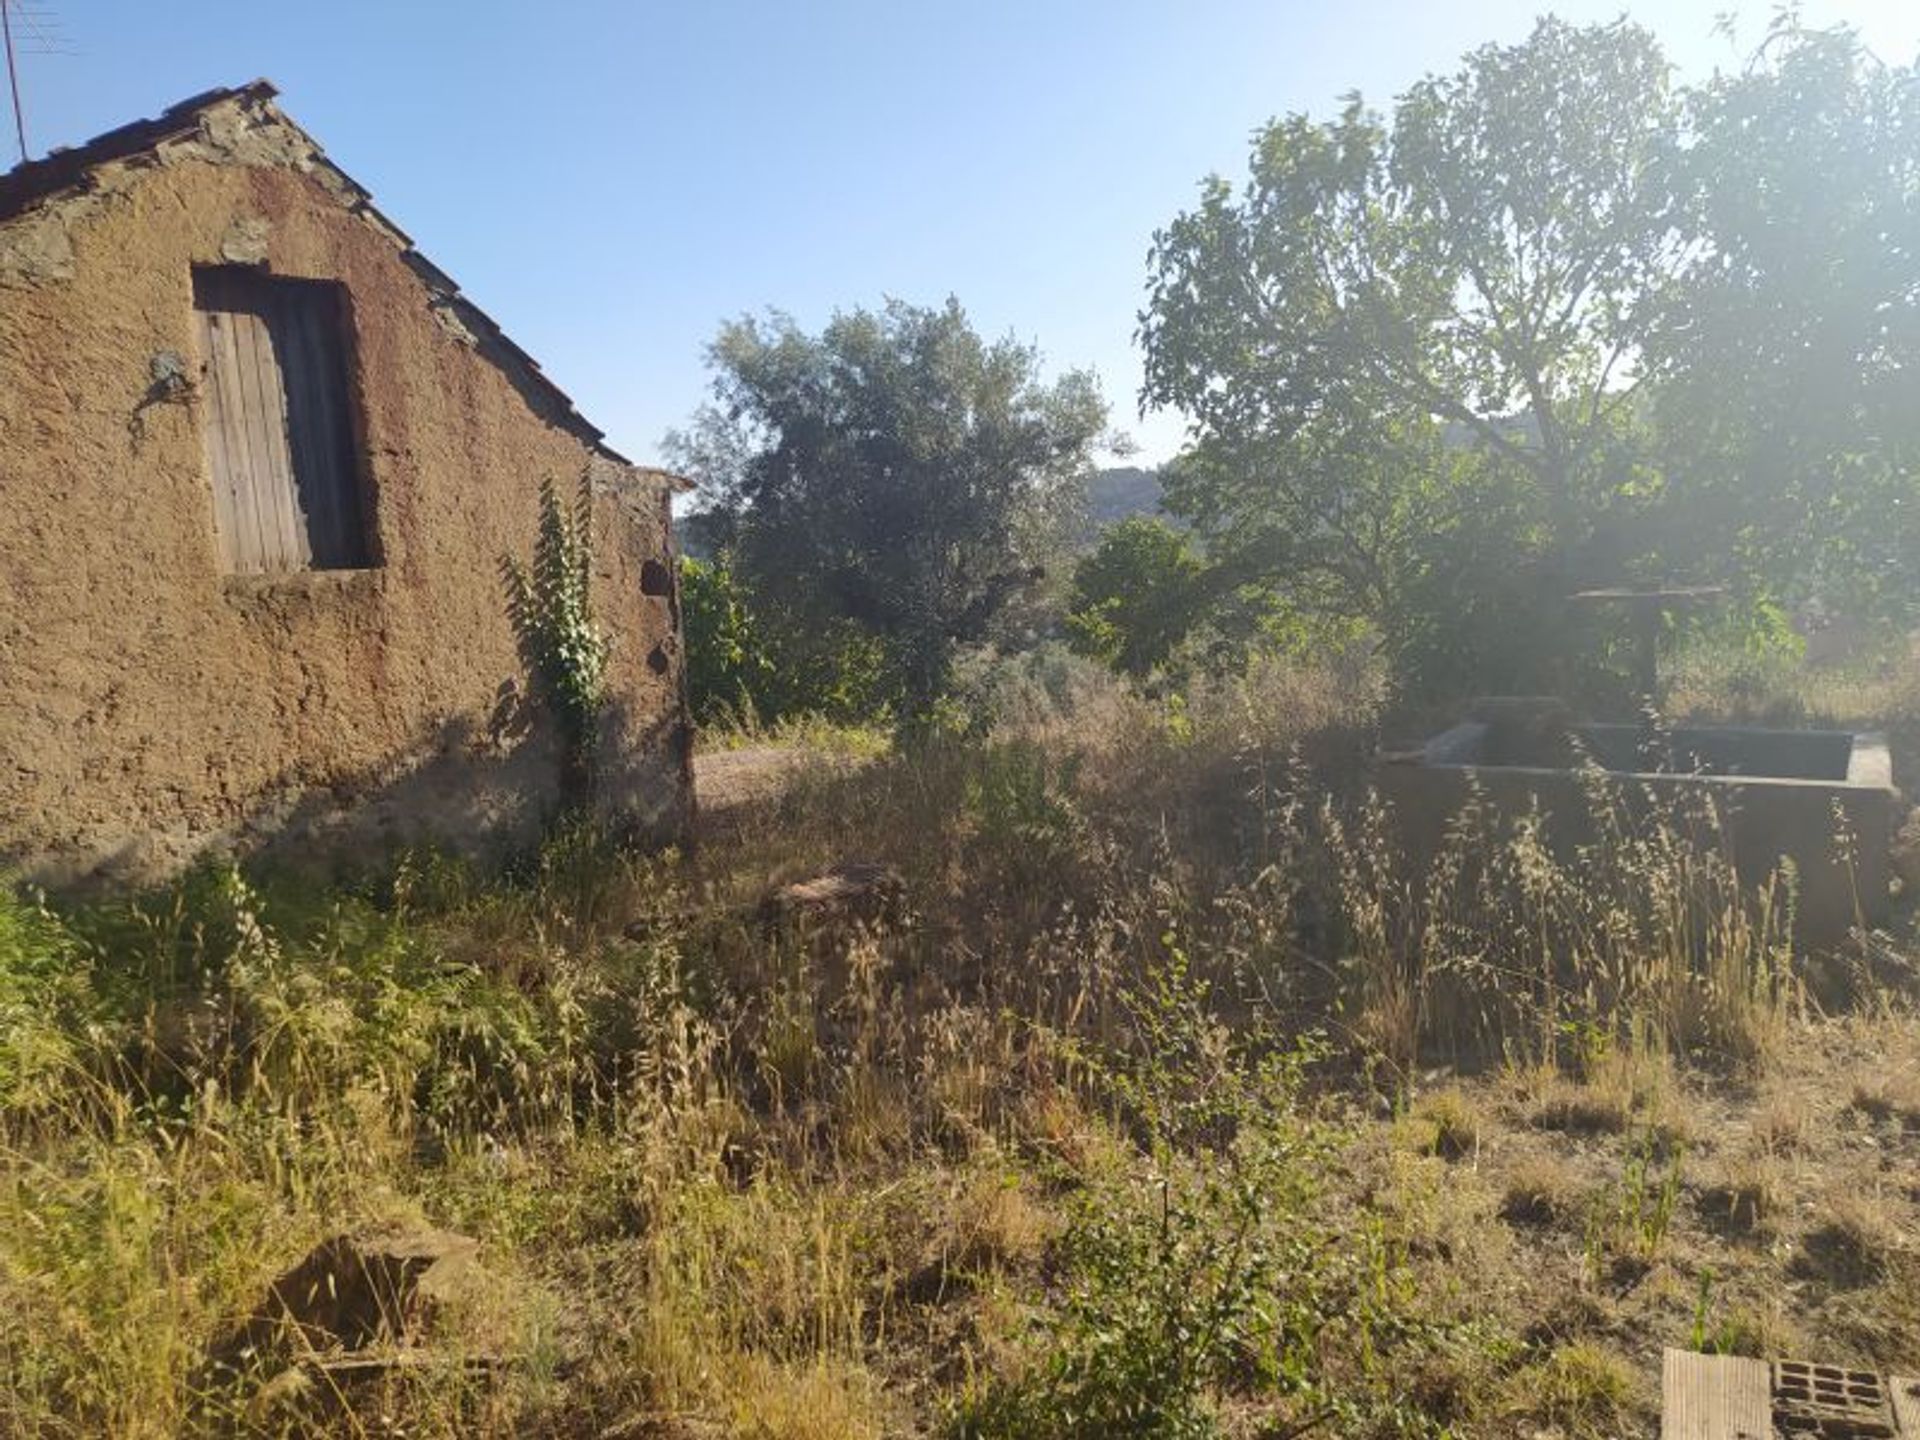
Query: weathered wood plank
point(258, 543)
point(1715, 1397)
point(295, 346)
point(277, 478)
point(320, 421)
point(279, 441)
point(343, 436)
point(1904, 1391)
point(222, 465)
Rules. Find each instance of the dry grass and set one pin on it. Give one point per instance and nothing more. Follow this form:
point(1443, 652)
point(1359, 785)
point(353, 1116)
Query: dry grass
point(1781, 1123)
point(1455, 1122)
point(864, 1181)
point(1749, 1198)
point(1583, 1389)
point(996, 1222)
point(1891, 1098)
point(1854, 1240)
point(1543, 1189)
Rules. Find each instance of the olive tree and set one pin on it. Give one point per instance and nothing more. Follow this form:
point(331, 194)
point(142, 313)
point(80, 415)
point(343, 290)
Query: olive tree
point(895, 472)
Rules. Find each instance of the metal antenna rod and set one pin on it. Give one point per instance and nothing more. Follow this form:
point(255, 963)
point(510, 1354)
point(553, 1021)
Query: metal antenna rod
point(13, 80)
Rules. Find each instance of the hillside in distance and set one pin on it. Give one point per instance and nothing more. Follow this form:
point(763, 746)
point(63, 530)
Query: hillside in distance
point(1119, 492)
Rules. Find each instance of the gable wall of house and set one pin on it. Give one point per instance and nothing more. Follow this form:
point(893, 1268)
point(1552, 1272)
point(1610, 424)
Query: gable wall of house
point(152, 706)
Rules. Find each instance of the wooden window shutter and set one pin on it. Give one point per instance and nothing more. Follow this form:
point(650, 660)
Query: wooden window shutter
point(279, 423)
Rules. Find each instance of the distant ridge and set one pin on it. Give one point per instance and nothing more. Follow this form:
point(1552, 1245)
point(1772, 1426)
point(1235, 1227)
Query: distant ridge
point(1113, 495)
point(1121, 492)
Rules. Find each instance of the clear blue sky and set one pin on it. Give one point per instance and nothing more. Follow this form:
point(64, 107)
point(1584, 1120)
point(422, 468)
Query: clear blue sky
point(611, 181)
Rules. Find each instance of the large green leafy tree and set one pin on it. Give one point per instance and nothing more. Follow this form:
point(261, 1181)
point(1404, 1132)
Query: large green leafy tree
point(1786, 363)
point(895, 473)
point(1136, 596)
point(1406, 346)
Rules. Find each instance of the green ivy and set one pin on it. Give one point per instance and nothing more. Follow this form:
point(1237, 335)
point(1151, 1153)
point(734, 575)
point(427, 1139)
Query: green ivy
point(551, 606)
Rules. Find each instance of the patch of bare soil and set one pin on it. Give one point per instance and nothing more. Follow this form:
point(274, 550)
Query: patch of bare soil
point(729, 784)
point(725, 780)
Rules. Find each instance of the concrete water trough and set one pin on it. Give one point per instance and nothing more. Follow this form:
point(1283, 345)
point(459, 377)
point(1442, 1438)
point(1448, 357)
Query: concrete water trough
point(1822, 800)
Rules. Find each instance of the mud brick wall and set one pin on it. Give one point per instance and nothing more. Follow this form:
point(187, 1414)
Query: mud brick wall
point(153, 707)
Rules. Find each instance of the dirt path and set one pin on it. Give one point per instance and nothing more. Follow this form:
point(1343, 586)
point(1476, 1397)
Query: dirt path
point(726, 780)
point(730, 785)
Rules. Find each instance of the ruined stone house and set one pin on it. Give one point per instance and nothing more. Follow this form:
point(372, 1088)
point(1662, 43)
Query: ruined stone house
point(260, 464)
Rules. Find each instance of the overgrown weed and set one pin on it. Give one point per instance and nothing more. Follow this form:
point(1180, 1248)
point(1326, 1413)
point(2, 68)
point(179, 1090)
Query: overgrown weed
point(1048, 1151)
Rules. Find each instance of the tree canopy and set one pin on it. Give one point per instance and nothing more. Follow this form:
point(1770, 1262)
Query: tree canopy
point(1405, 331)
point(895, 473)
point(1137, 596)
point(1785, 362)
point(1549, 324)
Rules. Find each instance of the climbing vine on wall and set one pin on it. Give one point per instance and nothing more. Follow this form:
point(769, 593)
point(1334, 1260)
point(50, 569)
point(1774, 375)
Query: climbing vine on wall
point(550, 603)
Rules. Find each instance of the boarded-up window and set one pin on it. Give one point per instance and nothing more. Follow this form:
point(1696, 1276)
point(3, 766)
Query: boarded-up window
point(279, 426)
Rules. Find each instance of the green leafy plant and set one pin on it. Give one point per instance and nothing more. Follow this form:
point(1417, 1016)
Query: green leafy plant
point(728, 671)
point(1199, 1266)
point(551, 606)
point(749, 667)
point(1136, 597)
point(1020, 799)
point(1715, 1331)
point(43, 991)
point(1631, 1220)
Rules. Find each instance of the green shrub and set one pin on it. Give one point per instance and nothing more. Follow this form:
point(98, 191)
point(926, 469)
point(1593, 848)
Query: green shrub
point(746, 669)
point(1137, 597)
point(729, 673)
point(1197, 1265)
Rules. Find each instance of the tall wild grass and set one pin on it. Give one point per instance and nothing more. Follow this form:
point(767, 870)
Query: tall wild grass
point(1043, 1154)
